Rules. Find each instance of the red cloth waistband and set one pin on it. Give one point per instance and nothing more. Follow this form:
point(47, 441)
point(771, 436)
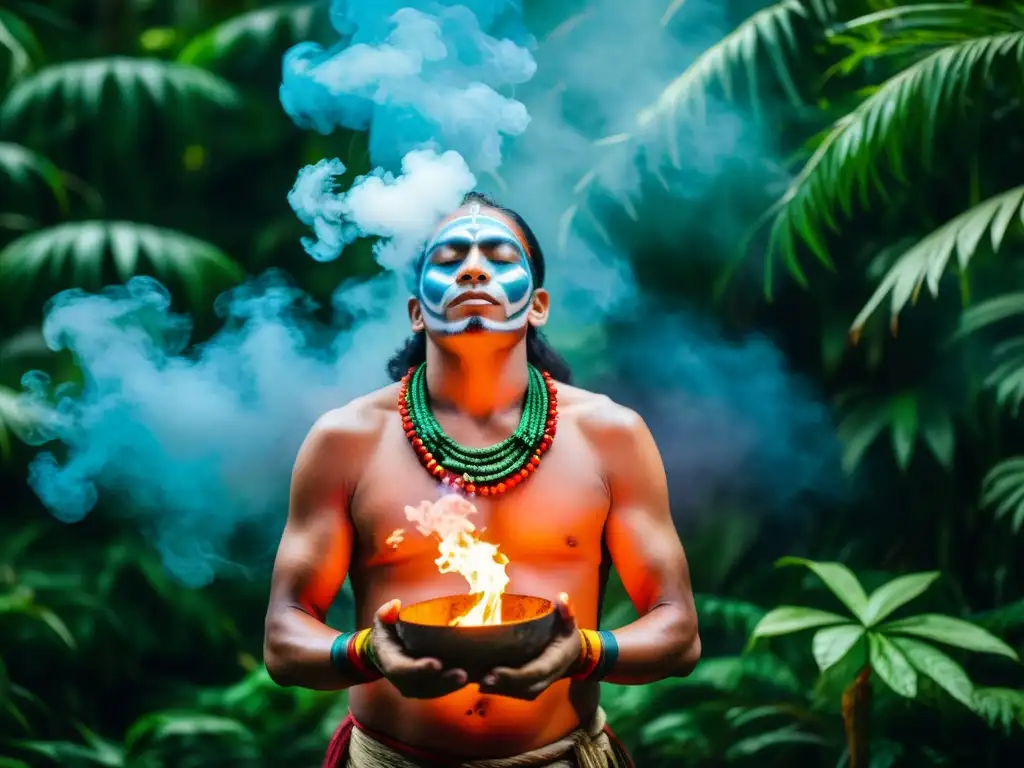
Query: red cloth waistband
point(337, 750)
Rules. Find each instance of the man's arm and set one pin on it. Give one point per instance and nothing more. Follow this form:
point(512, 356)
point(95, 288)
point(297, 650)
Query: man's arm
point(312, 560)
point(648, 556)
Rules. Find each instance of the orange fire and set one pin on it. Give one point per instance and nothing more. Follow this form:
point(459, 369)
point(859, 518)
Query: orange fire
point(461, 551)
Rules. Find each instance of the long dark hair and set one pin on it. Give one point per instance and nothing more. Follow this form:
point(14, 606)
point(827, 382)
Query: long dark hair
point(538, 351)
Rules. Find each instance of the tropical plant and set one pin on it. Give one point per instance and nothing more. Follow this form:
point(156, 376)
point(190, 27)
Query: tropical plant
point(892, 650)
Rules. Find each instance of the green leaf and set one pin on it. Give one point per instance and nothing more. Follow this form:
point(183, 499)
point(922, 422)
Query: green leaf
point(930, 661)
point(892, 666)
point(790, 618)
point(860, 428)
point(1002, 706)
point(19, 165)
point(22, 46)
point(127, 90)
point(840, 581)
point(833, 643)
point(82, 253)
point(903, 409)
point(951, 631)
point(898, 592)
point(939, 433)
point(1003, 488)
point(901, 113)
point(787, 735)
point(258, 35)
point(926, 262)
point(765, 42)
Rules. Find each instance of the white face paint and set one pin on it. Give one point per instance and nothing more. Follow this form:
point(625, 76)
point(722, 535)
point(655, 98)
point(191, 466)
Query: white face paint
point(509, 283)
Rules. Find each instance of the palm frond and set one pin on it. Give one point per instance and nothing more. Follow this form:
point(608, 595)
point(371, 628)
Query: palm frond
point(20, 43)
point(258, 35)
point(20, 164)
point(1007, 375)
point(767, 40)
point(126, 90)
point(926, 262)
point(1003, 488)
point(87, 253)
point(903, 112)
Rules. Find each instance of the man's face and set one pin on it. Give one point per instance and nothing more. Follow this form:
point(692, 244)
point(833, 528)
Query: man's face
point(476, 275)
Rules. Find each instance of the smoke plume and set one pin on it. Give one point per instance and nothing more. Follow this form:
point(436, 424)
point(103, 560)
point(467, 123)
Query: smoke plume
point(197, 440)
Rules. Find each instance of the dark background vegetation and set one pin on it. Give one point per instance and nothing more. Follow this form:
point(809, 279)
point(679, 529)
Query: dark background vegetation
point(901, 127)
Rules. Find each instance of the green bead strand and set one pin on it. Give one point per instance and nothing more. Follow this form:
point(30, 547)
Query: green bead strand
point(481, 465)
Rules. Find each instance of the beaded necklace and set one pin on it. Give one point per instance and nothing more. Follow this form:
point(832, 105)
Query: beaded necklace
point(487, 471)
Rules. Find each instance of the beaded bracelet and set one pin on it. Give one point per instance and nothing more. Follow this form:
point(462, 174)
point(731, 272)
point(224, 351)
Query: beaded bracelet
point(599, 652)
point(353, 655)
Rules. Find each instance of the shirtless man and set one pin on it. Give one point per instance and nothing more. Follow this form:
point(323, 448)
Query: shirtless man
point(598, 497)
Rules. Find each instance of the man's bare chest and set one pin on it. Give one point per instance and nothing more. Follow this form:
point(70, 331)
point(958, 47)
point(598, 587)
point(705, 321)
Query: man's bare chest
point(559, 512)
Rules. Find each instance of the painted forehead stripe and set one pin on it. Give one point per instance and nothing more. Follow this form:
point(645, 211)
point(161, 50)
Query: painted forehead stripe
point(470, 228)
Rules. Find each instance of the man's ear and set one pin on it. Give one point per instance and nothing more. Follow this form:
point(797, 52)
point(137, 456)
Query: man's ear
point(540, 305)
point(415, 315)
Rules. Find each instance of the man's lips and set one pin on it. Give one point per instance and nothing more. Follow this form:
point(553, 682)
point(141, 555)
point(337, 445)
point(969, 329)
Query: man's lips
point(473, 299)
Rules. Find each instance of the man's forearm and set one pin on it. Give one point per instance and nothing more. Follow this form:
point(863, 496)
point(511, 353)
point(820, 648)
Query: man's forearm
point(663, 643)
point(297, 652)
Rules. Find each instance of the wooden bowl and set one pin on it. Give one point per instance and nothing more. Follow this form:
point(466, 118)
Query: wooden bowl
point(528, 624)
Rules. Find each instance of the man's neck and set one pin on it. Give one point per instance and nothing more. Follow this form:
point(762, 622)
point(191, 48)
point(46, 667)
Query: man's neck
point(478, 384)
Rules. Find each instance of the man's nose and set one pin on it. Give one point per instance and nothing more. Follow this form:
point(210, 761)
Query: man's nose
point(474, 269)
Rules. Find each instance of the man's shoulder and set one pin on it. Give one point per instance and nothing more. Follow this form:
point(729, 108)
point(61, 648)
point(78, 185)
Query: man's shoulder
point(360, 419)
point(597, 414)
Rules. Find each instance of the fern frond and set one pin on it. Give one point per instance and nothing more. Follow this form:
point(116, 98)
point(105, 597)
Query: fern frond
point(258, 35)
point(926, 262)
point(904, 111)
point(84, 253)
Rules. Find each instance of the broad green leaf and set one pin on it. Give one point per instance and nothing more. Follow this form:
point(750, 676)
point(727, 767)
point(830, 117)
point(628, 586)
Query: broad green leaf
point(1003, 488)
point(257, 35)
point(130, 89)
point(930, 661)
point(840, 581)
point(790, 618)
point(889, 663)
point(903, 409)
point(82, 253)
point(926, 262)
point(750, 671)
point(833, 643)
point(951, 631)
point(896, 593)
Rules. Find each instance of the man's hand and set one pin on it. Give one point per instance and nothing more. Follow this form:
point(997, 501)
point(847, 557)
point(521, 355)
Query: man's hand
point(414, 678)
point(555, 661)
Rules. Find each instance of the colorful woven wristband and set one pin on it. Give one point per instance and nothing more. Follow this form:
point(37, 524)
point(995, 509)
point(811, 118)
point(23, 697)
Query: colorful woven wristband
point(599, 653)
point(353, 655)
